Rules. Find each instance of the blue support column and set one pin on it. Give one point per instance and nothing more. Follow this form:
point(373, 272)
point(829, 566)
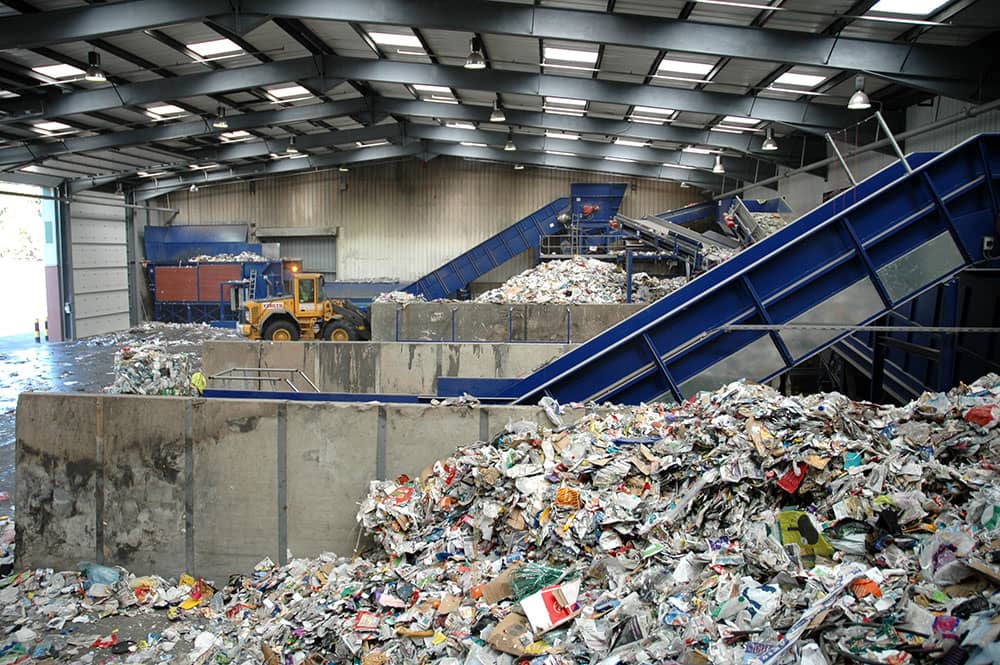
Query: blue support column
point(949, 341)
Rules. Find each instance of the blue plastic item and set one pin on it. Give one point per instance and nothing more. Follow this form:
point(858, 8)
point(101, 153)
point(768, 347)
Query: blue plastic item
point(98, 574)
point(852, 259)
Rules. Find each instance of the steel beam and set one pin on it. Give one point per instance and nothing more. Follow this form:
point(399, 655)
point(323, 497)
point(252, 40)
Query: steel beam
point(749, 143)
point(782, 46)
point(679, 165)
point(790, 153)
point(162, 186)
point(423, 149)
point(38, 150)
point(736, 167)
point(256, 149)
point(703, 180)
point(335, 68)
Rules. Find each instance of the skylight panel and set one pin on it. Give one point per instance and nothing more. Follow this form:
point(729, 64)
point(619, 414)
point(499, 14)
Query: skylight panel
point(214, 47)
point(739, 120)
point(570, 55)
point(562, 135)
point(801, 80)
point(59, 71)
point(909, 7)
point(441, 89)
point(391, 39)
point(51, 127)
point(565, 101)
point(685, 67)
point(289, 93)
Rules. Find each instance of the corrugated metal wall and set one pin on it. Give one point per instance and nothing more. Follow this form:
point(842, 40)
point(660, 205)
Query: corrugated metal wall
point(951, 135)
point(404, 219)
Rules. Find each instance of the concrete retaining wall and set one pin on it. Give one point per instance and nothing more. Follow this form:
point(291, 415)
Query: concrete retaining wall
point(167, 485)
point(484, 322)
point(376, 367)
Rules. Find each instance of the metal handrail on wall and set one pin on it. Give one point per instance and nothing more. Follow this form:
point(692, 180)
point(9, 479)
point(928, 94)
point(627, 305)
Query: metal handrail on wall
point(261, 374)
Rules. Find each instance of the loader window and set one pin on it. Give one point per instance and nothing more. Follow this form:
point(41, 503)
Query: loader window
point(307, 291)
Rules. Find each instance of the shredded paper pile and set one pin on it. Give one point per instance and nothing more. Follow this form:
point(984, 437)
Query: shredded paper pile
point(742, 527)
point(579, 280)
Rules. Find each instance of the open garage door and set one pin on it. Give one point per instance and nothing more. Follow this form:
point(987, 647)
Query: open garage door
point(99, 265)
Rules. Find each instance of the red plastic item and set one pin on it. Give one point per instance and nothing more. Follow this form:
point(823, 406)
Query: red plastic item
point(793, 478)
point(979, 415)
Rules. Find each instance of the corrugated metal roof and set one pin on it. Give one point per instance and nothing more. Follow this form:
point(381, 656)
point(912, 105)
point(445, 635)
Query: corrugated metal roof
point(449, 47)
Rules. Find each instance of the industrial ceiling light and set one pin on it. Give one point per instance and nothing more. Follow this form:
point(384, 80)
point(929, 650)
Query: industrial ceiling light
point(859, 100)
point(476, 59)
point(518, 167)
point(193, 188)
point(718, 168)
point(509, 146)
point(685, 185)
point(220, 121)
point(497, 115)
point(769, 144)
point(94, 72)
point(291, 149)
point(343, 169)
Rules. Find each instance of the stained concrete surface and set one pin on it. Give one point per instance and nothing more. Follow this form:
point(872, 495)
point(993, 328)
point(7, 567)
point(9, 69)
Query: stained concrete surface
point(87, 367)
point(84, 366)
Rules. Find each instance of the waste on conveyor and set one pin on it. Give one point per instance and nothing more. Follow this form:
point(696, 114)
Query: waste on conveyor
point(769, 222)
point(579, 280)
point(740, 527)
point(399, 297)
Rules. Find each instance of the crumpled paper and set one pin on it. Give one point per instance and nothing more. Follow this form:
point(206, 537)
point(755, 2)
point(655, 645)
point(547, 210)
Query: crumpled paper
point(742, 526)
point(579, 280)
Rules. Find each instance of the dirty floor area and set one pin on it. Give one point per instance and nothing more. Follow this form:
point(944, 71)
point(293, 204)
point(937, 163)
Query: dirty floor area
point(84, 366)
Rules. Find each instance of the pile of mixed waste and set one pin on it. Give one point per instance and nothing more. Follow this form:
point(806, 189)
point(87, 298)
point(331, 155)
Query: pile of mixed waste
point(242, 257)
point(164, 335)
point(579, 280)
point(399, 297)
point(160, 358)
point(148, 370)
point(740, 527)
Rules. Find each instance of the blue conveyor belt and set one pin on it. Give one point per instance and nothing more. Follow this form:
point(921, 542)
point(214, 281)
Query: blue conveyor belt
point(589, 204)
point(849, 261)
point(492, 252)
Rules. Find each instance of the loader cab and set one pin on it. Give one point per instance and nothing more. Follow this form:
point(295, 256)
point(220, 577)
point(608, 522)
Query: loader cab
point(308, 291)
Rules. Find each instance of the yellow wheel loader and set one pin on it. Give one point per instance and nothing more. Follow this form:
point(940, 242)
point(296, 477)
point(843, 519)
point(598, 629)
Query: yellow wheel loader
point(303, 312)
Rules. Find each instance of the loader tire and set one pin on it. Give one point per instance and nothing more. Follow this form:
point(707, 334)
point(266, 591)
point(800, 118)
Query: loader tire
point(338, 331)
point(281, 331)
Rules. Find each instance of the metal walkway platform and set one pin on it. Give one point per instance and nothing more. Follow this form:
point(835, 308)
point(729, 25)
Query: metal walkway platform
point(673, 239)
point(523, 235)
point(851, 260)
